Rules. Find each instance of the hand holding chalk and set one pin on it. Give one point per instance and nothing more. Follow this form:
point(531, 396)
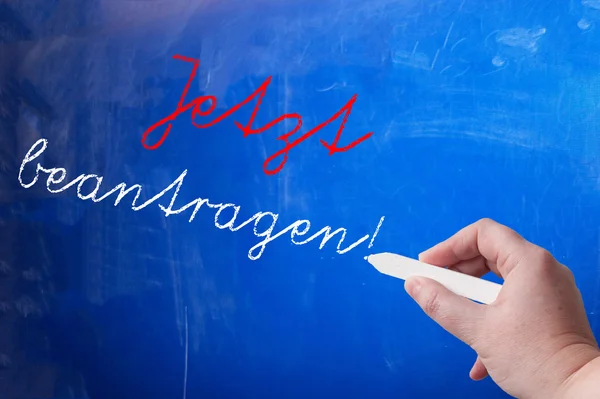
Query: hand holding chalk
point(534, 339)
point(462, 284)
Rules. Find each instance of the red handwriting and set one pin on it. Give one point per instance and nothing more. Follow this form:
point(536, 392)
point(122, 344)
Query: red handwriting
point(196, 106)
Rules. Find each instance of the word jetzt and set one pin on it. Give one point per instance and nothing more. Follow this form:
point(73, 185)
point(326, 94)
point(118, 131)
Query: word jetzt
point(196, 106)
point(300, 228)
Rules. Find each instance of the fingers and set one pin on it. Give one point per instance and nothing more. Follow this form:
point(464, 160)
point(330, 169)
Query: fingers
point(501, 248)
point(456, 314)
point(475, 267)
point(478, 371)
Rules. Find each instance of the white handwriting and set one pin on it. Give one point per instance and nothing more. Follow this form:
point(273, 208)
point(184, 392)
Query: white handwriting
point(88, 186)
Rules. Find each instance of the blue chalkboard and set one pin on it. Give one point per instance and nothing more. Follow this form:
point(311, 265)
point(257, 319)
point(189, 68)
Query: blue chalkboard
point(476, 109)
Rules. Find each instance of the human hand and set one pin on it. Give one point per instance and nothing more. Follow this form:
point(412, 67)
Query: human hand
point(535, 338)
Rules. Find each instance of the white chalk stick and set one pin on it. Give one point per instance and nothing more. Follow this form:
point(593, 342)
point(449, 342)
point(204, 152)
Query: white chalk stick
point(398, 266)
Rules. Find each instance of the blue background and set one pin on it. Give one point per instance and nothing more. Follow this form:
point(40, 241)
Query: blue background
point(479, 109)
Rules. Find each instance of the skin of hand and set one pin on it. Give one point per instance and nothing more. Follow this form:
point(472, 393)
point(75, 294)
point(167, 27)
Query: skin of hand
point(535, 340)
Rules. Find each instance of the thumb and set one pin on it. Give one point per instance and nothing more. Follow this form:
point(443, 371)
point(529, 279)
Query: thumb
point(478, 371)
point(456, 314)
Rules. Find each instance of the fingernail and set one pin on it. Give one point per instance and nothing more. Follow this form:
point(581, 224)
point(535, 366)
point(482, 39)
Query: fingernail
point(412, 286)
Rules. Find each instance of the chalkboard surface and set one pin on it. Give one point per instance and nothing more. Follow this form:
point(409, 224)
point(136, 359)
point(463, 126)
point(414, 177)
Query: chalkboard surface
point(398, 122)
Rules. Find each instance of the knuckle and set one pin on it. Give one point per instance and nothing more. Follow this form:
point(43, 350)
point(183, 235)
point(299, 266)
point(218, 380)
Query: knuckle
point(543, 256)
point(485, 222)
point(492, 230)
point(432, 304)
point(568, 273)
point(542, 260)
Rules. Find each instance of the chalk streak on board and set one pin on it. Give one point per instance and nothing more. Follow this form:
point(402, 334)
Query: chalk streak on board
point(594, 4)
point(584, 24)
point(448, 34)
point(185, 370)
point(527, 39)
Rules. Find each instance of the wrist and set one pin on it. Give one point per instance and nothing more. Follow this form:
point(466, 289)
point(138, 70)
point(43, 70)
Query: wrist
point(583, 382)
